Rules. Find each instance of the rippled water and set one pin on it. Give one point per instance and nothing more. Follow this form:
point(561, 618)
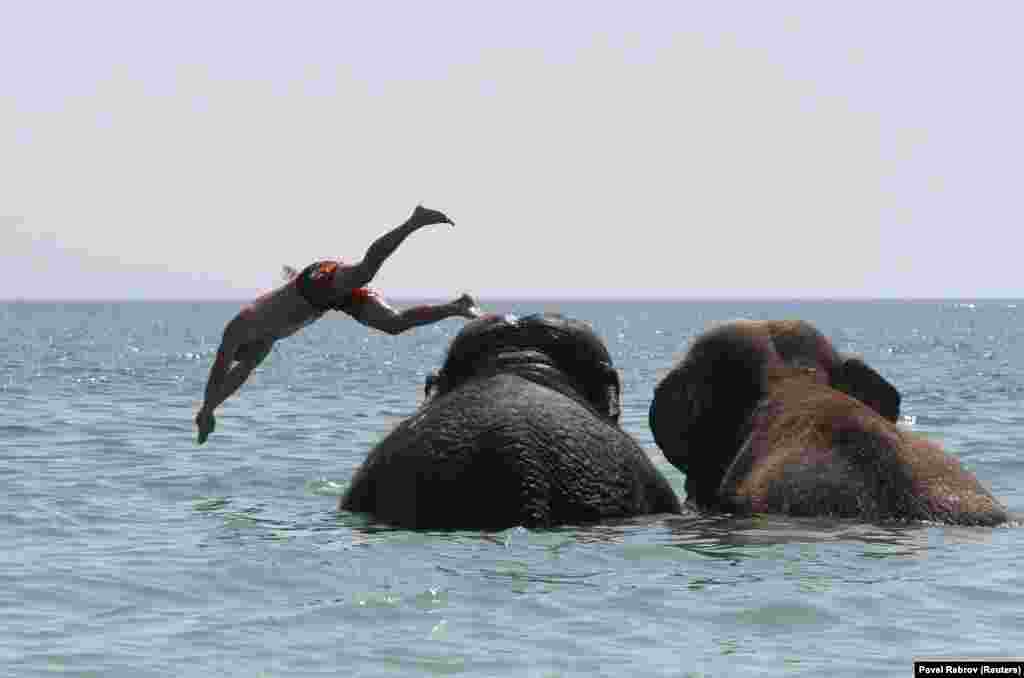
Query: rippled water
point(130, 551)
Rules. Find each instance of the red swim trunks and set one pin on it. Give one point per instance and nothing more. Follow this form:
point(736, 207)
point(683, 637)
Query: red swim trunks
point(316, 285)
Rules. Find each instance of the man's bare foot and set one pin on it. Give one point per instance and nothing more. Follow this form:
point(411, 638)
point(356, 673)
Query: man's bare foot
point(466, 307)
point(423, 216)
point(206, 423)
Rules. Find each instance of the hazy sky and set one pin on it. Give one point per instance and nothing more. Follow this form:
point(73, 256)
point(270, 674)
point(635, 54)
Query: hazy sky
point(818, 149)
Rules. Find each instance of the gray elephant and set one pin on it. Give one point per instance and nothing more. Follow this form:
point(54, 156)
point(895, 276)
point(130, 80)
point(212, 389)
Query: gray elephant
point(520, 427)
point(765, 416)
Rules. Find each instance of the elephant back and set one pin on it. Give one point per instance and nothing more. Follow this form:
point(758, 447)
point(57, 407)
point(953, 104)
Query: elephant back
point(539, 344)
point(813, 450)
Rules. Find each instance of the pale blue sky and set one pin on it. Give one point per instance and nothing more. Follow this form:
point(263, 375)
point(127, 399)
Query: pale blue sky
point(188, 149)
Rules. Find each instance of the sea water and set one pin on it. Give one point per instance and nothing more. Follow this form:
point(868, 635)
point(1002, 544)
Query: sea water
point(131, 551)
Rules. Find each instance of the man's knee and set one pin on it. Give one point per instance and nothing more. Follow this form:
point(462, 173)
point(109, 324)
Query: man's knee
point(359, 275)
point(395, 324)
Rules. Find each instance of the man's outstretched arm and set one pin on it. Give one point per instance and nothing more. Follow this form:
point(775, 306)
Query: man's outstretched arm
point(224, 381)
point(214, 386)
point(218, 372)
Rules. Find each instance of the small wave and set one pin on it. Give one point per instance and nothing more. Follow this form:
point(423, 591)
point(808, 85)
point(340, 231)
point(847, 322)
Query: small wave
point(186, 356)
point(16, 430)
point(1015, 521)
point(519, 572)
point(210, 504)
point(322, 487)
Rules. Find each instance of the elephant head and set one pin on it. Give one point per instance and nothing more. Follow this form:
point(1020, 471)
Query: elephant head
point(767, 416)
point(559, 352)
point(700, 407)
point(519, 427)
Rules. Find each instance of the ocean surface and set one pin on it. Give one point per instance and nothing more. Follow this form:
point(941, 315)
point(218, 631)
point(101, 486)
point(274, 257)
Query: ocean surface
point(131, 551)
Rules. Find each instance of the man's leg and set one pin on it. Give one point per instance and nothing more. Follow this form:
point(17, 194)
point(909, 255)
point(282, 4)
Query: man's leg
point(464, 307)
point(376, 313)
point(383, 247)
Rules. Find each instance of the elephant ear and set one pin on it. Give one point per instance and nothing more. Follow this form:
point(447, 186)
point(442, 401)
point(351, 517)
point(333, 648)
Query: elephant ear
point(701, 406)
point(609, 391)
point(430, 384)
point(859, 381)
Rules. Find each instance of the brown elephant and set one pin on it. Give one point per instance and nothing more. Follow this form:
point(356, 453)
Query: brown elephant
point(766, 416)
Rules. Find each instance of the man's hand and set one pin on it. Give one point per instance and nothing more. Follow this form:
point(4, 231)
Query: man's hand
point(423, 216)
point(206, 423)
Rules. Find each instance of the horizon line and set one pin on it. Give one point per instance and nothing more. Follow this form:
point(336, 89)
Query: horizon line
point(527, 297)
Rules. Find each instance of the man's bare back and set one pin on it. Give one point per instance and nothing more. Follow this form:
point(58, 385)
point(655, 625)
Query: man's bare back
point(251, 334)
